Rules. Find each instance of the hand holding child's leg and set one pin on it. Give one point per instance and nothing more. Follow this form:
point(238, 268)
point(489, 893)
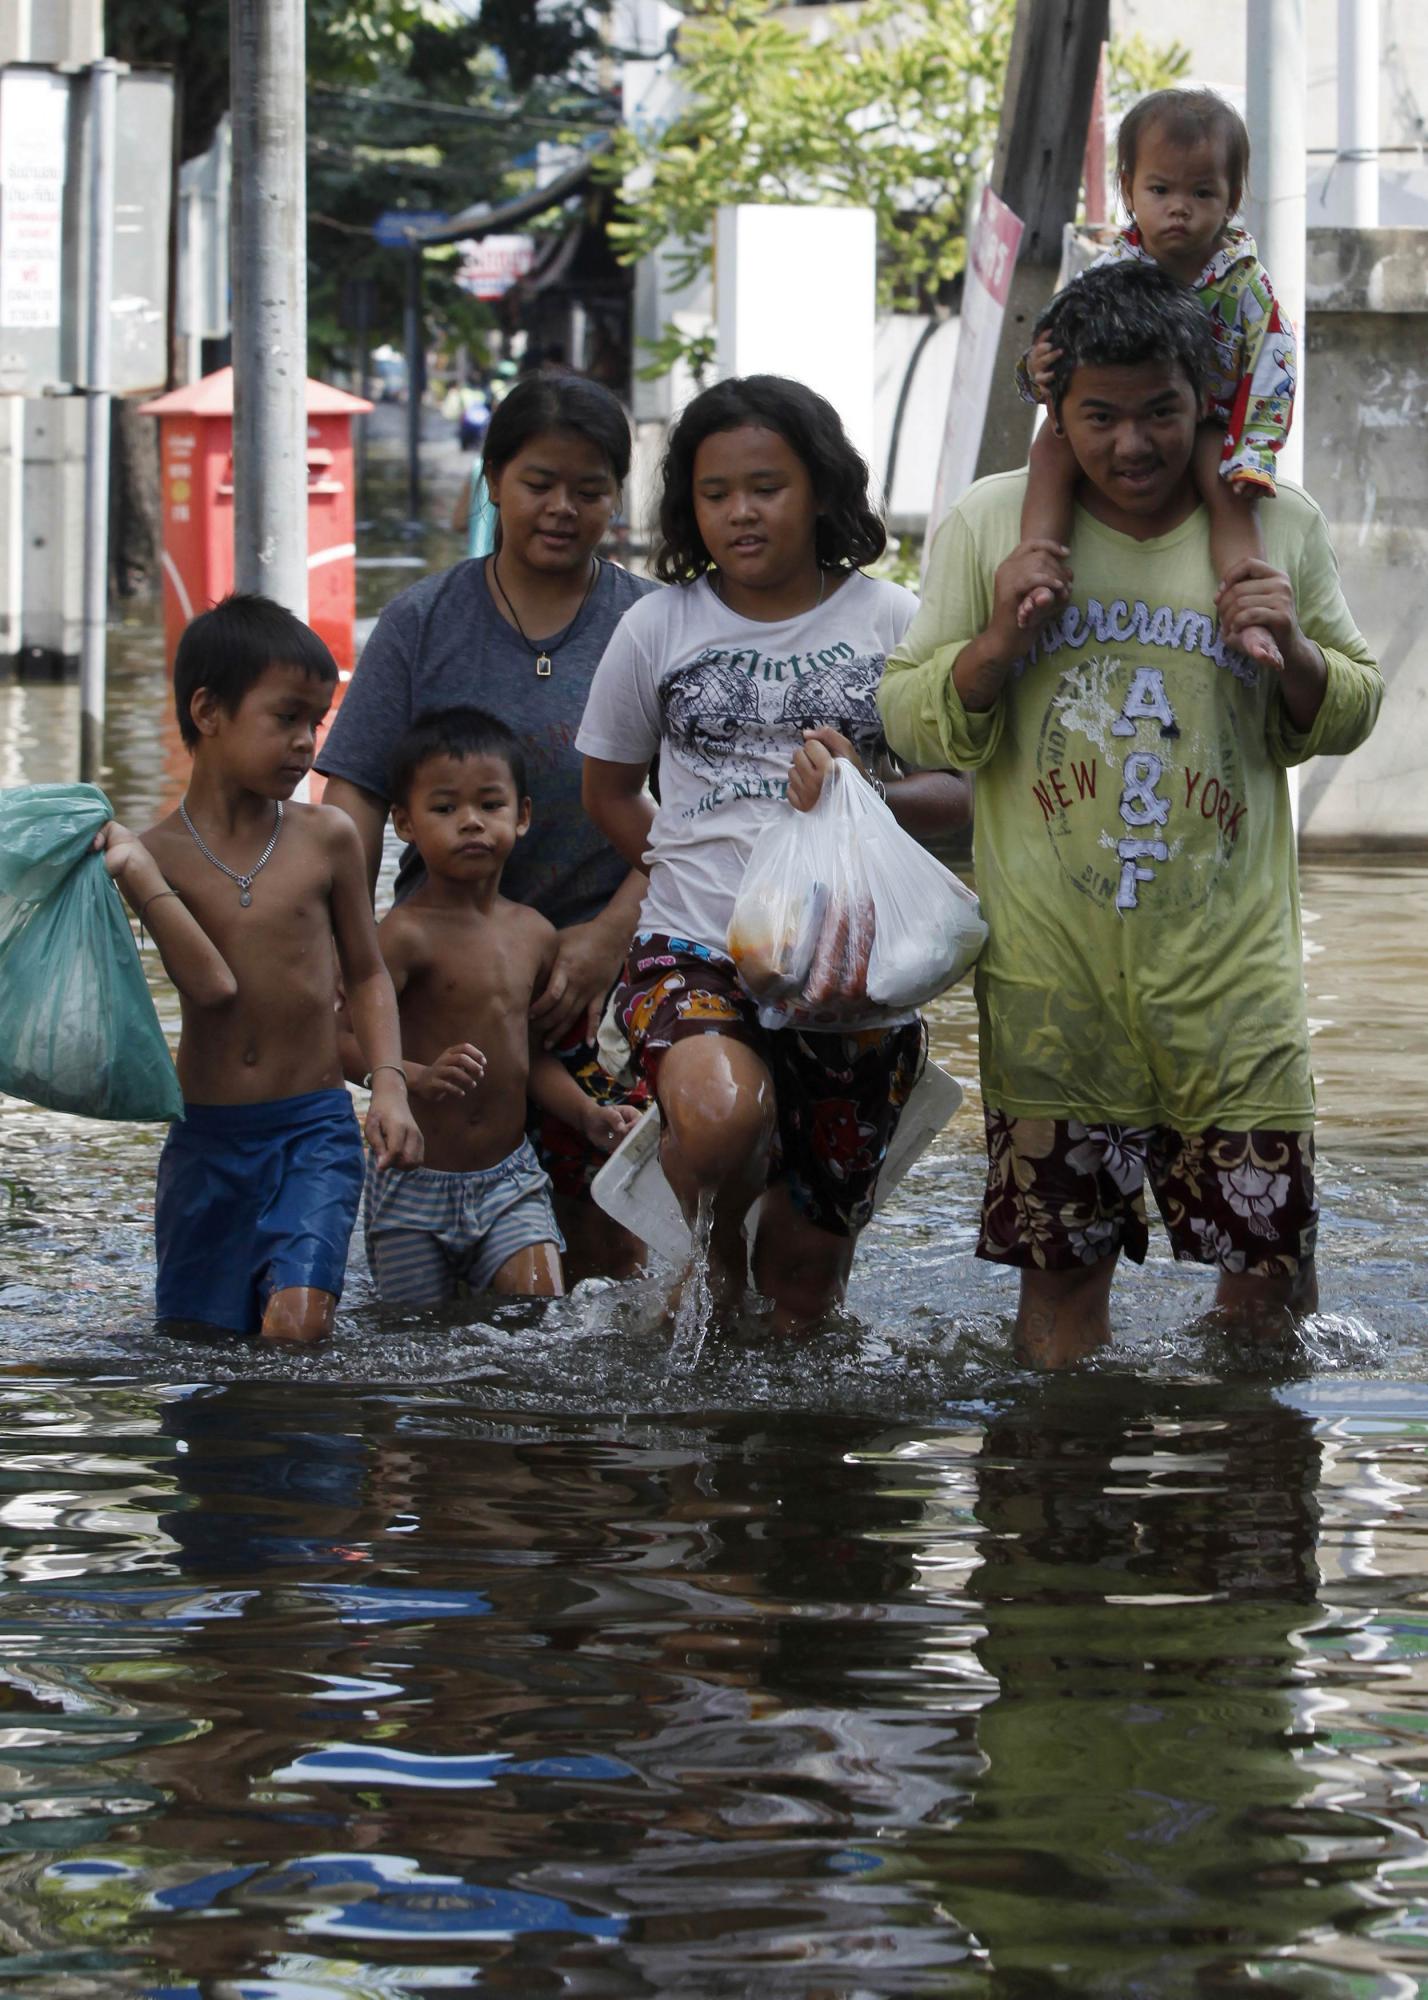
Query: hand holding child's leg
point(1234, 534)
point(1050, 505)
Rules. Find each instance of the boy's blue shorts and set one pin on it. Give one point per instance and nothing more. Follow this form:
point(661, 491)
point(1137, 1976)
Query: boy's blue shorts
point(253, 1198)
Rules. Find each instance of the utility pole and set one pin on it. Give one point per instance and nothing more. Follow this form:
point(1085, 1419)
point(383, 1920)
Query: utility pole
point(103, 95)
point(269, 265)
point(416, 381)
point(1046, 115)
point(1356, 167)
point(1274, 105)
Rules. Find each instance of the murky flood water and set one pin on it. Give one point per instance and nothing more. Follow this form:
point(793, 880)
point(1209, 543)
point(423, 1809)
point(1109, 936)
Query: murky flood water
point(520, 1656)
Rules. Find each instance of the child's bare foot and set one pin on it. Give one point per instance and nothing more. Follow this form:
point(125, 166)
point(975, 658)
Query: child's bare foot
point(1256, 643)
point(1034, 602)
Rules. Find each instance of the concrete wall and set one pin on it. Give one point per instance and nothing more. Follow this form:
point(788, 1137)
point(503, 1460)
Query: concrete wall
point(1366, 419)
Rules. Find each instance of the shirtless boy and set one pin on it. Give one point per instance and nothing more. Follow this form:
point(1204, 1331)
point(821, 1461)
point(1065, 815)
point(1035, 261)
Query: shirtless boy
point(466, 964)
point(245, 895)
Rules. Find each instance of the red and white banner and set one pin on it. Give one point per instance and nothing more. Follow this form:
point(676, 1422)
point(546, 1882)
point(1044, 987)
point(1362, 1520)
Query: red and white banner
point(490, 265)
point(991, 258)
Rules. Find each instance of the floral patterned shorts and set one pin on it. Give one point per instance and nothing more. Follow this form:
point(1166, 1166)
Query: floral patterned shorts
point(839, 1096)
point(1061, 1194)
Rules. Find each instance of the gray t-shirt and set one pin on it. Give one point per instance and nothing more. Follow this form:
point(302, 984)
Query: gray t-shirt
point(443, 644)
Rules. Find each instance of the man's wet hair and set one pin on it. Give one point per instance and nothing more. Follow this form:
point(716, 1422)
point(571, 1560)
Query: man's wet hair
point(1122, 315)
point(848, 533)
point(458, 733)
point(1185, 118)
point(228, 649)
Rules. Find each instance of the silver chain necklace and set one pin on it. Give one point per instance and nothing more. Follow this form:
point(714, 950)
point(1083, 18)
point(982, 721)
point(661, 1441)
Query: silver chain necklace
point(245, 882)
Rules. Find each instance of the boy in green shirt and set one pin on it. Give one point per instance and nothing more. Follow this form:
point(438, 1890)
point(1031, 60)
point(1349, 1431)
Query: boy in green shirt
point(1141, 997)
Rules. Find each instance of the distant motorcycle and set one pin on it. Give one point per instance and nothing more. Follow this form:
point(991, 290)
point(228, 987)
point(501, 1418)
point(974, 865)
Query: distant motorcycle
point(471, 425)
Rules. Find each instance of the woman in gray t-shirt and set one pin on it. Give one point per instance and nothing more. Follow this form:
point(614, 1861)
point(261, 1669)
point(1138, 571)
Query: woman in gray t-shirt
point(520, 633)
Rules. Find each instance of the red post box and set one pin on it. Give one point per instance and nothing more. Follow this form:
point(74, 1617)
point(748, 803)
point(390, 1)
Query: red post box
point(196, 470)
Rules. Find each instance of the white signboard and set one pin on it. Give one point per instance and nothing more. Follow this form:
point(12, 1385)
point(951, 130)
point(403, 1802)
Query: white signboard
point(33, 113)
point(490, 265)
point(991, 258)
point(769, 261)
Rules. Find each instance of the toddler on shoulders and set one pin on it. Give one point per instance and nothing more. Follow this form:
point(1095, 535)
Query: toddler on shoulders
point(1182, 163)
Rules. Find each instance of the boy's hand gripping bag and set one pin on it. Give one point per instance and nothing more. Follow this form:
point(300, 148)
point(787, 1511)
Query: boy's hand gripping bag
point(843, 920)
point(80, 1032)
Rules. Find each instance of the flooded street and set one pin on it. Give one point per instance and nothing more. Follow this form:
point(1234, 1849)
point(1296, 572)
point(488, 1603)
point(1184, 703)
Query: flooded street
point(515, 1656)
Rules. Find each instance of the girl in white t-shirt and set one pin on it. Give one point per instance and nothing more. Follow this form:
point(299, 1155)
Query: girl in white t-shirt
point(747, 683)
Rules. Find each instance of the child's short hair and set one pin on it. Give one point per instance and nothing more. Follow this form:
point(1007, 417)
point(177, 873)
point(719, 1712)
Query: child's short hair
point(849, 533)
point(1118, 315)
point(1186, 118)
point(454, 732)
point(228, 649)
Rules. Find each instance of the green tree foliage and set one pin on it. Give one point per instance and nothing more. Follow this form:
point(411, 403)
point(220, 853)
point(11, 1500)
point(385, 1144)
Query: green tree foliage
point(891, 106)
point(411, 104)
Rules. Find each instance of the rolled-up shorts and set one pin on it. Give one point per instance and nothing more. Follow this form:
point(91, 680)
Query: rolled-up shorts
point(1062, 1193)
point(429, 1233)
point(252, 1199)
point(839, 1096)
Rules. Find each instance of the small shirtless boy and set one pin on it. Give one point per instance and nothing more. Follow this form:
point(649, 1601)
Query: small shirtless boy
point(245, 895)
point(466, 964)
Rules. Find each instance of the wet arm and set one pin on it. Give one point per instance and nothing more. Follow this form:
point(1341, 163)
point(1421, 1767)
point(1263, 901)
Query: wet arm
point(931, 802)
point(615, 797)
point(368, 813)
point(941, 692)
point(191, 959)
point(554, 1089)
point(622, 912)
point(371, 999)
point(355, 1065)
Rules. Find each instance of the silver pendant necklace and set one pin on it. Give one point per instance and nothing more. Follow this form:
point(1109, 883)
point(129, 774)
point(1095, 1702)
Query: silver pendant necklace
point(543, 654)
point(245, 882)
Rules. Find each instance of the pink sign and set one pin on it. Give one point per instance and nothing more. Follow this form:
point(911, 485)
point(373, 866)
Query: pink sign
point(995, 242)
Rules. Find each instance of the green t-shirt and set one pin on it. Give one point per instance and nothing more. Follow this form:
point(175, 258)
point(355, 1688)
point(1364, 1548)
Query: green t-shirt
point(1134, 847)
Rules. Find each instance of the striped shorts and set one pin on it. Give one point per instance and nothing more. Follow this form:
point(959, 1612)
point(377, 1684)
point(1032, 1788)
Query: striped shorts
point(429, 1233)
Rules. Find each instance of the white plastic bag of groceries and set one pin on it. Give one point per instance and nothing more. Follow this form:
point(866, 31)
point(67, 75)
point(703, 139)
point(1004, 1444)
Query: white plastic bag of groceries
point(843, 920)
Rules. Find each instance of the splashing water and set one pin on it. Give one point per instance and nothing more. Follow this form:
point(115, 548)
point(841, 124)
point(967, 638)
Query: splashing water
point(695, 1313)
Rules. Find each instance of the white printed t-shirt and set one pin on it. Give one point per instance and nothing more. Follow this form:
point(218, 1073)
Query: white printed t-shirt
point(725, 700)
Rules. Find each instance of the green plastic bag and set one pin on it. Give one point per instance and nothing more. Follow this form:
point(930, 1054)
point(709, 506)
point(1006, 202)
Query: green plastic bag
point(78, 1031)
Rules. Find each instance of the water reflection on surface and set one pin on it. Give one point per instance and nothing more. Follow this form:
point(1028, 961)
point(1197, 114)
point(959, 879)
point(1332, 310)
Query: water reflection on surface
point(518, 1656)
point(1098, 1689)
